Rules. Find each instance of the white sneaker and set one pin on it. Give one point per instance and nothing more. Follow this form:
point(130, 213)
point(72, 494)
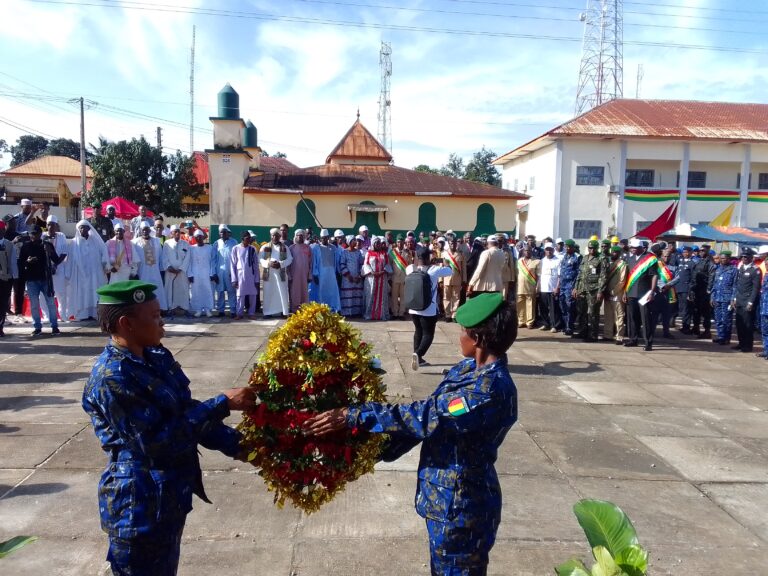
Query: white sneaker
point(209, 313)
point(198, 314)
point(414, 362)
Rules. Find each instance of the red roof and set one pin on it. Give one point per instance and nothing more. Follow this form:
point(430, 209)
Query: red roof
point(272, 164)
point(673, 119)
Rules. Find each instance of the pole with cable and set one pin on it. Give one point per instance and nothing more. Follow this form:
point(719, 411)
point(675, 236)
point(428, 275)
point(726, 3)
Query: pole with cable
point(82, 146)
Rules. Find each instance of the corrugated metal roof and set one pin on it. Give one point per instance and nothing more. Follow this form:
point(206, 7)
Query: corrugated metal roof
point(673, 119)
point(60, 166)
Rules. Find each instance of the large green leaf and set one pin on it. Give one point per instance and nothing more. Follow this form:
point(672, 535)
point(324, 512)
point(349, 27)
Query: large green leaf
point(605, 524)
point(605, 564)
point(14, 544)
point(633, 560)
point(572, 568)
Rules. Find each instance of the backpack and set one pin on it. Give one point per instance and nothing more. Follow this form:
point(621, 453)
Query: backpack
point(418, 290)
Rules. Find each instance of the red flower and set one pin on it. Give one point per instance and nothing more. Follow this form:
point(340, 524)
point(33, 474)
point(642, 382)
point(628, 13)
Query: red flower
point(306, 344)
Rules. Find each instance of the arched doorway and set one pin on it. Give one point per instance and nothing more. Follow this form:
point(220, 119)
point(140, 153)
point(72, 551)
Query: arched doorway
point(305, 215)
point(486, 220)
point(427, 218)
point(370, 219)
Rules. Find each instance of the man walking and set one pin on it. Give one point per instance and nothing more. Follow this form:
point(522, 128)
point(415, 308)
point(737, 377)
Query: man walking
point(488, 273)
point(745, 298)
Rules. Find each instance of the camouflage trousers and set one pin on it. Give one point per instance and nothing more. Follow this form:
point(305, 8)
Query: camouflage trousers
point(154, 554)
point(589, 311)
point(461, 550)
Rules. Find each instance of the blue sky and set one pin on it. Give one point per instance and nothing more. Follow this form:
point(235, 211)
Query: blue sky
point(466, 73)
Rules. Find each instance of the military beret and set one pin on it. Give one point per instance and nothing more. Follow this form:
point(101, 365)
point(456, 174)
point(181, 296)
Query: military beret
point(616, 249)
point(605, 242)
point(570, 242)
point(478, 309)
point(593, 244)
point(126, 292)
point(726, 253)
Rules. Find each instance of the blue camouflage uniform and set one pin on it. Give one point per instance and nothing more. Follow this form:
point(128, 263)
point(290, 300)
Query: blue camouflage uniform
point(147, 422)
point(723, 287)
point(461, 425)
point(569, 273)
point(764, 314)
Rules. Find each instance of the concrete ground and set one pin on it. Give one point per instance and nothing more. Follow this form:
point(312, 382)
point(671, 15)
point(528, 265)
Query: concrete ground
point(677, 437)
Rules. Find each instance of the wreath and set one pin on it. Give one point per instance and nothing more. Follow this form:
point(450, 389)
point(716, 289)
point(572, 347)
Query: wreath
point(315, 362)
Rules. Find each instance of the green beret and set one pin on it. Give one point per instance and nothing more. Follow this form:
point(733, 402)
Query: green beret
point(593, 244)
point(570, 242)
point(478, 309)
point(616, 249)
point(726, 253)
point(126, 292)
point(606, 242)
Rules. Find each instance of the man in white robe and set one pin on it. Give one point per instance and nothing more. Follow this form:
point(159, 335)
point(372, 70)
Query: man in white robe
point(202, 271)
point(123, 257)
point(61, 245)
point(150, 253)
point(274, 259)
point(86, 272)
point(176, 260)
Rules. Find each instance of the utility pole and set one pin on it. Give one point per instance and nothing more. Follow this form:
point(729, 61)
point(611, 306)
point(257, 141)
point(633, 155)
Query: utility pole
point(192, 96)
point(385, 104)
point(83, 180)
point(159, 138)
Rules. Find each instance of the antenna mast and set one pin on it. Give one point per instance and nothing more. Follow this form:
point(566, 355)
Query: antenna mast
point(638, 84)
point(385, 104)
point(192, 96)
point(601, 74)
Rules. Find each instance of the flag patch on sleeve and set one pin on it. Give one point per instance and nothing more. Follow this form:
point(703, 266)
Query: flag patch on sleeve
point(457, 407)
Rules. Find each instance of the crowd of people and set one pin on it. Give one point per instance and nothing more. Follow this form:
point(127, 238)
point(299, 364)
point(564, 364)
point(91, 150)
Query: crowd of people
point(637, 285)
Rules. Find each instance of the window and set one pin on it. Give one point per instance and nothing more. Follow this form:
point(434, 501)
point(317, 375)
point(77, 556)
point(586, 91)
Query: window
point(636, 177)
point(762, 181)
point(695, 179)
point(738, 180)
point(642, 224)
point(585, 228)
point(532, 185)
point(590, 175)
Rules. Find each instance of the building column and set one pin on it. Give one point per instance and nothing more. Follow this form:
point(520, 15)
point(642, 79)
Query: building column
point(622, 180)
point(746, 169)
point(682, 209)
point(558, 190)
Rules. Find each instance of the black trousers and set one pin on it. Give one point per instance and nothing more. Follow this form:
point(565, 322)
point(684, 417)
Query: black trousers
point(702, 311)
point(18, 296)
point(639, 322)
point(424, 333)
point(684, 310)
point(5, 299)
point(745, 327)
point(550, 310)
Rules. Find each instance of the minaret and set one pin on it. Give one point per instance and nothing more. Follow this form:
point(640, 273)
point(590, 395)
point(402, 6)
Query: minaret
point(251, 145)
point(228, 161)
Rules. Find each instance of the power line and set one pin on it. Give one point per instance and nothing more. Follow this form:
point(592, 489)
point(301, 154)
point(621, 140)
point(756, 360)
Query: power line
point(395, 27)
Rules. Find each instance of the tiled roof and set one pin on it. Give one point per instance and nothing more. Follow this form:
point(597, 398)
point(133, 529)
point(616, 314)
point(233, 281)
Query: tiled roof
point(59, 166)
point(674, 119)
point(359, 144)
point(373, 180)
point(272, 164)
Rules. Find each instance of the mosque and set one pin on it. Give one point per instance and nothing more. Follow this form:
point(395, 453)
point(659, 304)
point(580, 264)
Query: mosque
point(357, 185)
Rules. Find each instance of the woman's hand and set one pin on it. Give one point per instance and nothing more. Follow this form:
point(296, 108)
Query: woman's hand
point(240, 398)
point(326, 422)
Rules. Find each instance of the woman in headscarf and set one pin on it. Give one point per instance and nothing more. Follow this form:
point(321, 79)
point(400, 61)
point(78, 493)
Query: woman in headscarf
point(88, 265)
point(350, 265)
point(376, 270)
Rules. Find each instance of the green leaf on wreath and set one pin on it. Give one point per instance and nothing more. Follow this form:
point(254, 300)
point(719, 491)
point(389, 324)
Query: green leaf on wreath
point(14, 544)
point(572, 568)
point(605, 524)
point(633, 560)
point(251, 456)
point(605, 566)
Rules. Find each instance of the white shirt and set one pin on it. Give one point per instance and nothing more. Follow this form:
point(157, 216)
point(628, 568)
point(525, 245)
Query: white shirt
point(435, 273)
point(550, 271)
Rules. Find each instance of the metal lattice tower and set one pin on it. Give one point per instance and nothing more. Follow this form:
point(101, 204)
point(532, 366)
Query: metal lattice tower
point(385, 104)
point(601, 74)
point(192, 95)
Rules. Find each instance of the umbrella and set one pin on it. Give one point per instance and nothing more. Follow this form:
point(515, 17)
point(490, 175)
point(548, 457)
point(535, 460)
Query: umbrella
point(124, 209)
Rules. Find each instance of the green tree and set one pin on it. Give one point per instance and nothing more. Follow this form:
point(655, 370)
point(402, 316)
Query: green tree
point(426, 169)
point(481, 169)
point(278, 154)
point(28, 148)
point(455, 166)
point(135, 170)
point(65, 147)
point(3, 146)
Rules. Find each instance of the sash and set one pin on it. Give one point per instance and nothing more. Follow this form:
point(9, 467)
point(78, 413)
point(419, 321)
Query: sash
point(527, 274)
point(644, 264)
point(398, 259)
point(614, 269)
point(452, 262)
point(665, 273)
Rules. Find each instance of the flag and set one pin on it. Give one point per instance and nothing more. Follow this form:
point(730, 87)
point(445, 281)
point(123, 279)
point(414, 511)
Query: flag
point(663, 223)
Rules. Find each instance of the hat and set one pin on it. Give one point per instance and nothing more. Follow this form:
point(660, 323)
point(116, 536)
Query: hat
point(199, 232)
point(570, 242)
point(478, 309)
point(763, 249)
point(605, 242)
point(52, 218)
point(441, 239)
point(616, 249)
point(147, 225)
point(360, 238)
point(338, 234)
point(593, 244)
point(549, 246)
point(274, 231)
point(36, 229)
point(174, 227)
point(252, 234)
point(705, 246)
point(726, 253)
point(559, 241)
point(362, 229)
point(324, 232)
point(493, 240)
point(26, 202)
point(188, 222)
point(410, 233)
point(593, 237)
point(615, 240)
point(83, 222)
point(399, 237)
point(119, 226)
point(635, 243)
point(223, 228)
point(126, 292)
point(747, 251)
point(109, 206)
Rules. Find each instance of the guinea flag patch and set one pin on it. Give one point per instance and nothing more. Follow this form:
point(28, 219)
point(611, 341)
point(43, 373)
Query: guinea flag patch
point(457, 407)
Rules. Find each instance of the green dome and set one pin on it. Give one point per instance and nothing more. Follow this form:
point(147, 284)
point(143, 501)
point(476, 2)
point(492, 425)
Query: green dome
point(229, 103)
point(250, 136)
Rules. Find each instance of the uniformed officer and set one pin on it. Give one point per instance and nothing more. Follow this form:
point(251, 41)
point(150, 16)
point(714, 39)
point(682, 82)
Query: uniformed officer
point(461, 426)
point(590, 289)
point(143, 414)
point(700, 293)
point(744, 299)
point(723, 288)
point(569, 273)
point(764, 308)
point(605, 250)
point(684, 273)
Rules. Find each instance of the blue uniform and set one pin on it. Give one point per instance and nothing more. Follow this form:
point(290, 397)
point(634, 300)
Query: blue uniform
point(147, 422)
point(764, 313)
point(461, 425)
point(723, 286)
point(569, 273)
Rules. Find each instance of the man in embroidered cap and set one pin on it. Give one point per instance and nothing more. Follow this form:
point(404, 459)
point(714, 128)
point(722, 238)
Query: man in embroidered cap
point(201, 274)
point(143, 414)
point(460, 427)
point(225, 292)
point(176, 256)
point(86, 271)
point(244, 262)
point(275, 259)
point(150, 252)
point(366, 243)
point(123, 257)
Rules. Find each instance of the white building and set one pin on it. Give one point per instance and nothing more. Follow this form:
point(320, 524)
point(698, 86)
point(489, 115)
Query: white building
point(617, 167)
